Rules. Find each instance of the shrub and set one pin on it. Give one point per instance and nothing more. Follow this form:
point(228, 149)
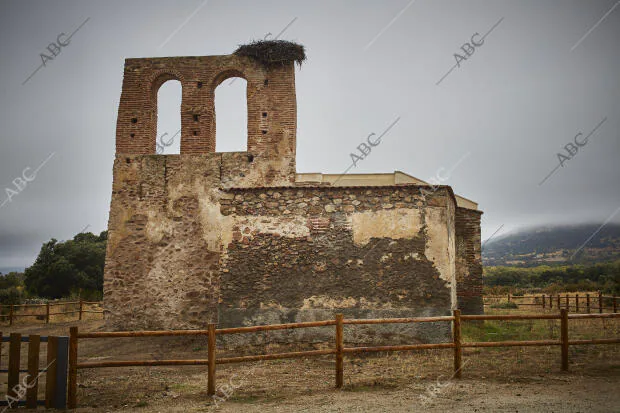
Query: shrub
point(11, 295)
point(506, 305)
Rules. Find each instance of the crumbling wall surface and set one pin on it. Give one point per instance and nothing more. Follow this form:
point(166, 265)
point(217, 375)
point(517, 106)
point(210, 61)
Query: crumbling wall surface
point(162, 260)
point(307, 253)
point(468, 261)
point(183, 252)
point(230, 237)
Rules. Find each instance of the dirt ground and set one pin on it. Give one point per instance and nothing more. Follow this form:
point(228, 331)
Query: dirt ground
point(515, 379)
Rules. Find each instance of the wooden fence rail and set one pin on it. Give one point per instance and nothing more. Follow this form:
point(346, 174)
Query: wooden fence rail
point(587, 303)
point(12, 316)
point(339, 349)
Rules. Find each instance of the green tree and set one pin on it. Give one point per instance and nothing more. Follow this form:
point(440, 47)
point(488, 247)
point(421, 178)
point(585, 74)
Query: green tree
point(70, 267)
point(11, 288)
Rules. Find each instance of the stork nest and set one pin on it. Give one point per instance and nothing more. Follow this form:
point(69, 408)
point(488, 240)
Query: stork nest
point(273, 52)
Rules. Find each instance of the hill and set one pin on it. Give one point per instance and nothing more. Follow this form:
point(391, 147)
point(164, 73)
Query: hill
point(555, 245)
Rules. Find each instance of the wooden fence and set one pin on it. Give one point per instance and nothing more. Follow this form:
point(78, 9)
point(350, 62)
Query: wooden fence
point(584, 303)
point(55, 371)
point(339, 350)
point(46, 310)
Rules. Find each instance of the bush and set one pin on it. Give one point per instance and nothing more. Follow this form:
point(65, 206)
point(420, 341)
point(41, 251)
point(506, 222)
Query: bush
point(506, 305)
point(11, 288)
point(10, 296)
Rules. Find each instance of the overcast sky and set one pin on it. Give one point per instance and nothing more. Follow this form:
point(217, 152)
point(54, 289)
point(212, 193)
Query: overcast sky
point(545, 75)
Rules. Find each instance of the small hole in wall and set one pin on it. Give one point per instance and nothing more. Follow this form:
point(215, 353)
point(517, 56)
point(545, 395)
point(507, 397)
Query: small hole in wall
point(264, 132)
point(195, 132)
point(250, 158)
point(266, 82)
point(198, 85)
point(127, 160)
point(264, 114)
point(134, 120)
point(132, 134)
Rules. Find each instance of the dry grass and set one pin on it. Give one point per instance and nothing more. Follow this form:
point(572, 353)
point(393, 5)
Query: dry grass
point(310, 381)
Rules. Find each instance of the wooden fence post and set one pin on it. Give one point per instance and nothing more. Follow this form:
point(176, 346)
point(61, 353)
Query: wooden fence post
point(508, 297)
point(600, 302)
point(211, 356)
point(559, 301)
point(34, 344)
point(50, 375)
point(47, 313)
point(458, 352)
point(588, 303)
point(543, 300)
point(81, 306)
point(73, 357)
point(550, 301)
point(577, 303)
point(339, 351)
point(567, 302)
point(13, 379)
point(564, 338)
point(11, 315)
point(615, 305)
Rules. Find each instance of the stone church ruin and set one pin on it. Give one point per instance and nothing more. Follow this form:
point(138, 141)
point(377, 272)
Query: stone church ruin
point(241, 238)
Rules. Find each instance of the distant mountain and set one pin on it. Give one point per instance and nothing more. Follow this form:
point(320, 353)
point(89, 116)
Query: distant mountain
point(554, 245)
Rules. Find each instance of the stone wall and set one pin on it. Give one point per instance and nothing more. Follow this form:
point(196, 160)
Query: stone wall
point(231, 238)
point(183, 251)
point(304, 254)
point(468, 261)
point(162, 260)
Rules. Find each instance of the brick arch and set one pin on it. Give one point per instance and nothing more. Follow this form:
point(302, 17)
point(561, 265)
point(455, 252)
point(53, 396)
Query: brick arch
point(226, 74)
point(159, 77)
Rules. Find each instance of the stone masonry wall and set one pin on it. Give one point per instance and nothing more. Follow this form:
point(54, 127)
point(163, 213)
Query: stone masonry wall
point(161, 267)
point(230, 238)
point(183, 252)
point(468, 261)
point(304, 254)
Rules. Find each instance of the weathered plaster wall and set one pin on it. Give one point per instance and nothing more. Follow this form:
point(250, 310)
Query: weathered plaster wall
point(162, 261)
point(231, 237)
point(303, 254)
point(183, 252)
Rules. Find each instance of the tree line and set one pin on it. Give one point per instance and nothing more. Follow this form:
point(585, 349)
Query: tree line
point(603, 277)
point(72, 268)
